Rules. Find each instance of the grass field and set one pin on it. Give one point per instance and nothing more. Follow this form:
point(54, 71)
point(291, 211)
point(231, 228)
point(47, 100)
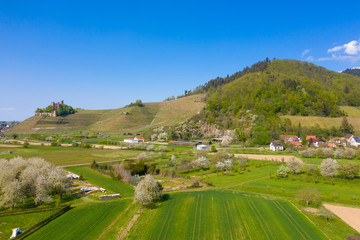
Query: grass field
point(223, 215)
point(328, 122)
point(113, 120)
point(23, 222)
point(63, 156)
point(111, 185)
point(82, 222)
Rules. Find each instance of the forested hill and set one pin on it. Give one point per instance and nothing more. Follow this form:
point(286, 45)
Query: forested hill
point(353, 71)
point(253, 103)
point(287, 87)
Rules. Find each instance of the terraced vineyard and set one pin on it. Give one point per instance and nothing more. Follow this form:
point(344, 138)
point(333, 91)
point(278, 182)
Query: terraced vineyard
point(224, 215)
point(83, 222)
point(111, 185)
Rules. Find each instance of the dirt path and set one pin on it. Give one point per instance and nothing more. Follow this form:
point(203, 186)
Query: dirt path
point(265, 157)
point(10, 146)
point(348, 214)
point(129, 226)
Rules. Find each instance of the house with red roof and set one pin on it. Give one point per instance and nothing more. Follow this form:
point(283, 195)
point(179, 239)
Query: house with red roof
point(296, 143)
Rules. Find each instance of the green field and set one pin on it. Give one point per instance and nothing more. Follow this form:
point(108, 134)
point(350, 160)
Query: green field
point(111, 185)
point(82, 222)
point(22, 221)
point(63, 156)
point(223, 215)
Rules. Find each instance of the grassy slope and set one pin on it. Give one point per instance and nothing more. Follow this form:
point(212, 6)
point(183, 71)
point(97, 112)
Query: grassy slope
point(83, 222)
point(112, 120)
point(232, 216)
point(327, 122)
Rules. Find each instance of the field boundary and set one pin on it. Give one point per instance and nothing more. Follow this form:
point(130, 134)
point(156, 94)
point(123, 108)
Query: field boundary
point(39, 225)
point(128, 227)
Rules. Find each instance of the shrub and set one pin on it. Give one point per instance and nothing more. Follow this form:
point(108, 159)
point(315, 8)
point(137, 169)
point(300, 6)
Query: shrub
point(281, 172)
point(349, 170)
point(328, 152)
point(349, 153)
point(309, 196)
point(294, 165)
point(53, 144)
point(338, 153)
point(26, 144)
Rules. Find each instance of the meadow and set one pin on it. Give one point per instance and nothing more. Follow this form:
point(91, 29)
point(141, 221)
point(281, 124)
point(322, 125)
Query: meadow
point(223, 215)
point(111, 185)
point(82, 222)
point(23, 221)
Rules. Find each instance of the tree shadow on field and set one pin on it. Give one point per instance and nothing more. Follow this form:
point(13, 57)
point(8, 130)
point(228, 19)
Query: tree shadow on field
point(157, 204)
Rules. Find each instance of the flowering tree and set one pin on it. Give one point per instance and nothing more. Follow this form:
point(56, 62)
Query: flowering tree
point(294, 165)
point(329, 167)
point(201, 162)
point(147, 191)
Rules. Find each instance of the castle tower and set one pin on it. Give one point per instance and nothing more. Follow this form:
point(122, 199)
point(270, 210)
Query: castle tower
point(53, 104)
point(62, 102)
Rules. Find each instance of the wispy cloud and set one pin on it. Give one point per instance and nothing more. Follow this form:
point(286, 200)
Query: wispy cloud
point(306, 51)
point(347, 52)
point(7, 109)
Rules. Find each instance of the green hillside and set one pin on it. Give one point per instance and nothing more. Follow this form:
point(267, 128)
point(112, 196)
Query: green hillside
point(254, 104)
point(166, 113)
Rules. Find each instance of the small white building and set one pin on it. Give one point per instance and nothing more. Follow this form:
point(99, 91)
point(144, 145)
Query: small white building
point(355, 141)
point(134, 140)
point(202, 147)
point(276, 146)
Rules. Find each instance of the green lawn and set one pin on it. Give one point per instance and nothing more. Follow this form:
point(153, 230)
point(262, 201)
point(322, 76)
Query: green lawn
point(223, 215)
point(83, 222)
point(100, 180)
point(23, 222)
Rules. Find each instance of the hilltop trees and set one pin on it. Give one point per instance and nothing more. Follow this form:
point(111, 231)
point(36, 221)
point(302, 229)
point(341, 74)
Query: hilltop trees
point(35, 178)
point(147, 191)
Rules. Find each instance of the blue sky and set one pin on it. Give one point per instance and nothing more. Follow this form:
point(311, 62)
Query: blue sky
point(101, 54)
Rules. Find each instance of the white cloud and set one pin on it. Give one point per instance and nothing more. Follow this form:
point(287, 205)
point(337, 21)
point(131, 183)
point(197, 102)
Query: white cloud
point(306, 51)
point(346, 52)
point(351, 48)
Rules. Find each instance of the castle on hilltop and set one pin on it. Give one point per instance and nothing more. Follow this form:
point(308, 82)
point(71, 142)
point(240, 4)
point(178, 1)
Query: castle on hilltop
point(53, 112)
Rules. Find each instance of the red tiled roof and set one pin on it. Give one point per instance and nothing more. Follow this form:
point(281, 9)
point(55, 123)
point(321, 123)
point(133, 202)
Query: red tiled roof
point(309, 137)
point(296, 143)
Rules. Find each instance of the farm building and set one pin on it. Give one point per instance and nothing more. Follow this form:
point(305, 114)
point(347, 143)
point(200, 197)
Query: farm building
point(276, 146)
point(134, 140)
point(180, 143)
point(71, 175)
point(202, 147)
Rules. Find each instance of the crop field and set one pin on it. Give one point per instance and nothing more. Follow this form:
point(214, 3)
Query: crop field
point(111, 185)
point(63, 156)
point(23, 222)
point(82, 222)
point(223, 215)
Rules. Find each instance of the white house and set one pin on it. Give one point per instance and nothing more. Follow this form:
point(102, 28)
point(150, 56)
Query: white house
point(355, 141)
point(202, 147)
point(134, 140)
point(276, 146)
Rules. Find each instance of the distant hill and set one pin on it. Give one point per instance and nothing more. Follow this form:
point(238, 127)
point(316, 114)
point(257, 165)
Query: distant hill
point(353, 71)
point(127, 119)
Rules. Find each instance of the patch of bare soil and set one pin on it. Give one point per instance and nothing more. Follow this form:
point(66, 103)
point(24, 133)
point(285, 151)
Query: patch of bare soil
point(349, 215)
point(129, 226)
point(266, 157)
point(11, 146)
point(312, 210)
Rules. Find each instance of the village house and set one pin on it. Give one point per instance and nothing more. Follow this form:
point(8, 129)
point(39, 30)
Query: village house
point(289, 138)
point(296, 143)
point(338, 142)
point(355, 141)
point(276, 146)
point(202, 147)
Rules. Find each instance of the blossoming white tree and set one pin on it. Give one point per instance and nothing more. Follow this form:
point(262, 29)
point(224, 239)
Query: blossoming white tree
point(147, 191)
